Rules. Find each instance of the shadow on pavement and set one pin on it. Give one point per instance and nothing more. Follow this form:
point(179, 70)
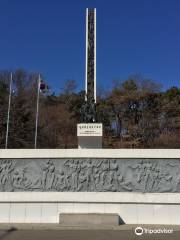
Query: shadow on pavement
point(5, 233)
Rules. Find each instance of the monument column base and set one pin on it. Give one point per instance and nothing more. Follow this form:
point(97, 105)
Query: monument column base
point(92, 142)
point(89, 135)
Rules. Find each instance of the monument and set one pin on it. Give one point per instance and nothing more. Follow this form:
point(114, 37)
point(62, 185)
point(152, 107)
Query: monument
point(42, 185)
point(89, 131)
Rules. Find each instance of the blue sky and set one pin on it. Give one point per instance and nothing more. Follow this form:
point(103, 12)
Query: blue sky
point(133, 37)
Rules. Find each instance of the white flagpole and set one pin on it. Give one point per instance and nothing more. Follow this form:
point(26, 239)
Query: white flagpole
point(9, 107)
point(37, 111)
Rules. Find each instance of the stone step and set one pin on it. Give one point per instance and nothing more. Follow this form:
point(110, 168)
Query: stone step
point(88, 219)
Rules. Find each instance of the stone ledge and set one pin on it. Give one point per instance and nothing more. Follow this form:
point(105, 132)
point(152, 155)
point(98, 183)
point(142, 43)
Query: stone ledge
point(90, 197)
point(90, 153)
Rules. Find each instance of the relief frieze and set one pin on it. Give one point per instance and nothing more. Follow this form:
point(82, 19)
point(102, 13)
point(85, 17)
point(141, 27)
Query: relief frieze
point(90, 175)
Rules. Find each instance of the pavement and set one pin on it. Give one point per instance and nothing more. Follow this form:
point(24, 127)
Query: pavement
point(57, 232)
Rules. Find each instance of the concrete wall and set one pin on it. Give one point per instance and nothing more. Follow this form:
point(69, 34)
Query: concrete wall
point(133, 208)
point(48, 212)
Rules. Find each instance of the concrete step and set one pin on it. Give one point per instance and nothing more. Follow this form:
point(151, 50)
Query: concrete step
point(89, 219)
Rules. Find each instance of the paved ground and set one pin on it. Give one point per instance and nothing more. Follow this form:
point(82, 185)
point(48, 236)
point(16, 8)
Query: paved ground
point(55, 232)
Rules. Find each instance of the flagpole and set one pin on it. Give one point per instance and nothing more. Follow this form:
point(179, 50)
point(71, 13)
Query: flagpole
point(9, 107)
point(37, 111)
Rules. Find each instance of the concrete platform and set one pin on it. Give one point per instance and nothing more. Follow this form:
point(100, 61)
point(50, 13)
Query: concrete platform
point(26, 206)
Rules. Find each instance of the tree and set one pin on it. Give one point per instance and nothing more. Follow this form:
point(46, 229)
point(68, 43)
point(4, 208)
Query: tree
point(135, 113)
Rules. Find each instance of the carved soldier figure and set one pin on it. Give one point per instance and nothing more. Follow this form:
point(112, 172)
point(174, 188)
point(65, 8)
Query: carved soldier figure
point(73, 173)
point(139, 167)
point(6, 168)
point(96, 177)
point(147, 176)
point(113, 174)
point(127, 185)
point(48, 175)
point(155, 176)
point(104, 171)
point(90, 175)
point(165, 182)
point(88, 112)
point(60, 181)
point(18, 178)
point(82, 180)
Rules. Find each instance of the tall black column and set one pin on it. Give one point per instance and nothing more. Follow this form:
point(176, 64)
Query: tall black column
point(91, 55)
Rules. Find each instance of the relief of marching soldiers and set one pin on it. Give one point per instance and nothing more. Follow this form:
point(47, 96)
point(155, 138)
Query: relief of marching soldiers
point(88, 175)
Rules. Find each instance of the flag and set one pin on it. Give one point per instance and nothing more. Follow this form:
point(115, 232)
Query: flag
point(43, 87)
